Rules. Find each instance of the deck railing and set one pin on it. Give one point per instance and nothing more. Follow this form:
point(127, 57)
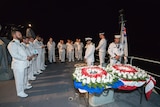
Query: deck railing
point(132, 58)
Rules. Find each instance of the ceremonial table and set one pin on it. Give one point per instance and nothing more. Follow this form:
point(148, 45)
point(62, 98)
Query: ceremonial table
point(100, 82)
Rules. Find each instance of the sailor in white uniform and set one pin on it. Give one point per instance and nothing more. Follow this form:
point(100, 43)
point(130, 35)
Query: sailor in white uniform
point(76, 48)
point(51, 50)
point(27, 85)
point(89, 53)
point(43, 66)
point(79, 49)
point(67, 52)
point(70, 47)
point(31, 50)
point(20, 61)
point(116, 51)
point(61, 47)
point(102, 48)
point(39, 48)
point(35, 52)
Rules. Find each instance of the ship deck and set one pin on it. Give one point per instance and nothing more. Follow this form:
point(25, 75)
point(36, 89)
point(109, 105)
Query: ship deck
point(54, 87)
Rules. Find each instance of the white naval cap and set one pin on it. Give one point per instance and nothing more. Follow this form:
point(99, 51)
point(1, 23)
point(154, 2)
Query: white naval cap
point(88, 38)
point(101, 33)
point(117, 36)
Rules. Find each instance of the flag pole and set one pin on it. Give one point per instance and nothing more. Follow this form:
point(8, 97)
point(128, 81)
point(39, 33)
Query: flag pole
point(123, 39)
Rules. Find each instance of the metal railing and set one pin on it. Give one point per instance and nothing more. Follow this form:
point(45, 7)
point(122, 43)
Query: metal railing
point(146, 60)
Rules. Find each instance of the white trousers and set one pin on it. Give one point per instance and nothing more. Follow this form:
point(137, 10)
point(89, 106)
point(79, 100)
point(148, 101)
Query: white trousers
point(19, 74)
point(76, 53)
point(62, 55)
point(51, 56)
point(43, 60)
point(102, 57)
point(26, 77)
point(30, 71)
point(71, 56)
point(39, 61)
point(79, 54)
point(34, 65)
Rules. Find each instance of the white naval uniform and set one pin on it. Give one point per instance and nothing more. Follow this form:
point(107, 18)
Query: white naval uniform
point(102, 50)
point(61, 48)
point(28, 70)
point(76, 50)
point(70, 52)
point(51, 51)
point(43, 57)
point(38, 47)
point(67, 52)
point(79, 50)
point(19, 64)
point(114, 50)
point(32, 65)
point(34, 61)
point(89, 54)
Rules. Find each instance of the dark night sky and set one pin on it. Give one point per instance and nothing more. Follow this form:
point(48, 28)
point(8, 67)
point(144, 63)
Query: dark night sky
point(71, 19)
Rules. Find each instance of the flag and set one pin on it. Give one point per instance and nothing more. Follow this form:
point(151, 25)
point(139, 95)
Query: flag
point(149, 87)
point(124, 41)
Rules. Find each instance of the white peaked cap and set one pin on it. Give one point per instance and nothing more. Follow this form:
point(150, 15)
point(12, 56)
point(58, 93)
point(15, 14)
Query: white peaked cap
point(102, 33)
point(117, 36)
point(88, 38)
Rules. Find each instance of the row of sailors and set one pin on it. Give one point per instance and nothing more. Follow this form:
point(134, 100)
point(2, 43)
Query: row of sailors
point(27, 60)
point(75, 50)
point(115, 51)
point(70, 50)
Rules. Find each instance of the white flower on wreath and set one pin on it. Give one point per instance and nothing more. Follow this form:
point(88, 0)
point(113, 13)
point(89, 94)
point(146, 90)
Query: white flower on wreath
point(103, 77)
point(134, 77)
point(105, 80)
point(119, 74)
point(131, 73)
point(129, 77)
point(98, 79)
point(93, 80)
point(84, 81)
point(88, 80)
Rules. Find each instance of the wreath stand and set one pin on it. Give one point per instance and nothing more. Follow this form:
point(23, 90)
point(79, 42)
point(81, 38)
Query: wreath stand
point(106, 97)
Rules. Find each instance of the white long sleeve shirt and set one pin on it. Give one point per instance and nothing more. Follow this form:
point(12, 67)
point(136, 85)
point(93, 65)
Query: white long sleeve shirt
point(61, 47)
point(80, 46)
point(115, 49)
point(18, 53)
point(89, 53)
point(102, 45)
point(51, 46)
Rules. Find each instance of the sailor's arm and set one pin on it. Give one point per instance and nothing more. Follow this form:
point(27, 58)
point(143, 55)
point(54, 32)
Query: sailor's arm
point(90, 50)
point(110, 51)
point(100, 44)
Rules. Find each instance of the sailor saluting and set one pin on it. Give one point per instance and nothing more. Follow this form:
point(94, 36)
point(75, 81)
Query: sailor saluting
point(116, 51)
point(89, 53)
